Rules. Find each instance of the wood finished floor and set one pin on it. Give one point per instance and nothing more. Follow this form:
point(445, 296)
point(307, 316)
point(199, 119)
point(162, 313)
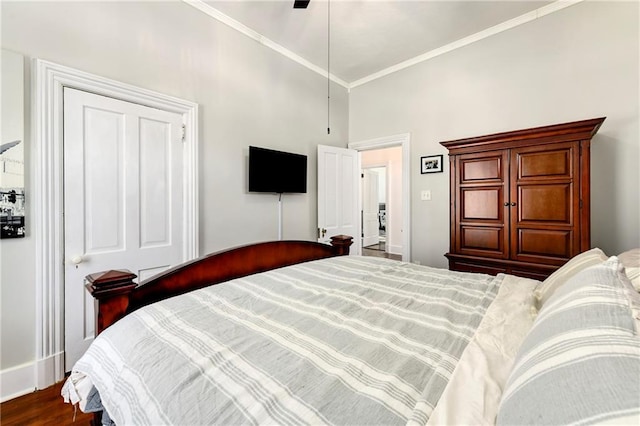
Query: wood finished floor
point(366, 251)
point(44, 407)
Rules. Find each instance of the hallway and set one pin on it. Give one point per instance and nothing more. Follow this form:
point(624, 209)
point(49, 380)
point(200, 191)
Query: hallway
point(378, 250)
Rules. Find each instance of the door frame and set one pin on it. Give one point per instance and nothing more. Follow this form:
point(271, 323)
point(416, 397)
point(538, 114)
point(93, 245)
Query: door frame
point(48, 81)
point(403, 140)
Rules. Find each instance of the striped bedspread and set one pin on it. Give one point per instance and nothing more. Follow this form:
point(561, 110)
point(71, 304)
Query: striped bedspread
point(346, 340)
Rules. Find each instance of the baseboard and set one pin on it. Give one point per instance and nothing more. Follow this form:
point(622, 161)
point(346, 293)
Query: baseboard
point(17, 381)
point(394, 249)
point(26, 378)
point(49, 370)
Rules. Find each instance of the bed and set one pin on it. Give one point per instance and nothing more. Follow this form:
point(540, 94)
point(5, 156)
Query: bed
point(299, 333)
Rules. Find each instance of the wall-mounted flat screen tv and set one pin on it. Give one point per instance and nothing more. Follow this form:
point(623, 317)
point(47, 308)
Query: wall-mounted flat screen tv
point(276, 171)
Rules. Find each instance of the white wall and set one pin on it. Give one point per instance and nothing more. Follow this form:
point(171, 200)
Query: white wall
point(248, 95)
point(578, 63)
point(392, 159)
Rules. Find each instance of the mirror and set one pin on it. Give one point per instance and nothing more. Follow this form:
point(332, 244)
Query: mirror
point(12, 199)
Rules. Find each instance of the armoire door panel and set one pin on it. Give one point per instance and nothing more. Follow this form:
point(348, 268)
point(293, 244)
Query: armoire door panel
point(544, 242)
point(551, 204)
point(481, 204)
point(485, 168)
point(487, 241)
point(544, 164)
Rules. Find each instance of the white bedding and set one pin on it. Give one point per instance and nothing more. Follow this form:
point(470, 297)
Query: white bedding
point(475, 385)
point(473, 394)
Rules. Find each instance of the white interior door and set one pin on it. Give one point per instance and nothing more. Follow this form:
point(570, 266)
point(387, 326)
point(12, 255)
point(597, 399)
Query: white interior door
point(370, 196)
point(338, 210)
point(123, 189)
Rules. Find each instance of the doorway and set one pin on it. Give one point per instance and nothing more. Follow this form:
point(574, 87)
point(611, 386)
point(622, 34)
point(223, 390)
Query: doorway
point(389, 156)
point(381, 206)
point(373, 214)
point(49, 84)
point(122, 172)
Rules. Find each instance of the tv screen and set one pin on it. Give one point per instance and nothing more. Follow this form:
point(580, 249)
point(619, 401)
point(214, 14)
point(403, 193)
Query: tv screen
point(276, 171)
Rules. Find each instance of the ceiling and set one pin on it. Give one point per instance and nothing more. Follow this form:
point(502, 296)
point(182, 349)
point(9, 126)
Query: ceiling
point(369, 36)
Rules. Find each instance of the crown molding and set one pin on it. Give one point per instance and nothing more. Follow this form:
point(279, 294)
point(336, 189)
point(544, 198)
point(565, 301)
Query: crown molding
point(240, 27)
point(496, 29)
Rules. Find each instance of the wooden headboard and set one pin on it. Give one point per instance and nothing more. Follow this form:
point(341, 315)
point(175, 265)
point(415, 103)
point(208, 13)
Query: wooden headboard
point(116, 293)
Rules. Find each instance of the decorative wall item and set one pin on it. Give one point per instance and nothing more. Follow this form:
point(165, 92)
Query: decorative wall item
point(431, 164)
point(12, 197)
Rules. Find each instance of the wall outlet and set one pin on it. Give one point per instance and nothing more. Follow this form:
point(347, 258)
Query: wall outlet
point(425, 195)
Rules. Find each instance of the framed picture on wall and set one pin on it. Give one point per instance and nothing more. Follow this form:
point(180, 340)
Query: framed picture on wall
point(431, 164)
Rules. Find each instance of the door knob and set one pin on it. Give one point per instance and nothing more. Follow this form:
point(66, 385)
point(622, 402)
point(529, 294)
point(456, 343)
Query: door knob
point(76, 260)
point(513, 203)
point(506, 204)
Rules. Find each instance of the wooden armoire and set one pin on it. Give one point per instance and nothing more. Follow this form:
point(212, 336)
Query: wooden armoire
point(520, 200)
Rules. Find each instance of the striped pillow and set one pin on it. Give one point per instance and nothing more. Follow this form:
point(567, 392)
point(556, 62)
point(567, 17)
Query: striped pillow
point(568, 270)
point(631, 261)
point(580, 363)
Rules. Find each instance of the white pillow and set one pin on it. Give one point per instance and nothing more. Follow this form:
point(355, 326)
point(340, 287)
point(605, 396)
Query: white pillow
point(580, 362)
point(631, 261)
point(576, 264)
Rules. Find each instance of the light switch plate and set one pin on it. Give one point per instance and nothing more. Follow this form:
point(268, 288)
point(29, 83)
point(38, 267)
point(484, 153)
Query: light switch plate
point(425, 195)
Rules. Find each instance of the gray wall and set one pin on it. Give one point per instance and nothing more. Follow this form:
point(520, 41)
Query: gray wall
point(581, 62)
point(17, 291)
point(248, 95)
point(578, 63)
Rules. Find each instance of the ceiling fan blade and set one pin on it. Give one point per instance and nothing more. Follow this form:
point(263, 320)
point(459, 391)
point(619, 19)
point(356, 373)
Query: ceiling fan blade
point(301, 4)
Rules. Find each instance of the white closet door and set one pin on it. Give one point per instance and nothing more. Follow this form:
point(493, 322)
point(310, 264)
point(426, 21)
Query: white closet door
point(123, 189)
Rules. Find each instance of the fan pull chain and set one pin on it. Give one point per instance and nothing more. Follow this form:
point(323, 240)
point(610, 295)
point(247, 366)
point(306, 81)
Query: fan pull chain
point(328, 66)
